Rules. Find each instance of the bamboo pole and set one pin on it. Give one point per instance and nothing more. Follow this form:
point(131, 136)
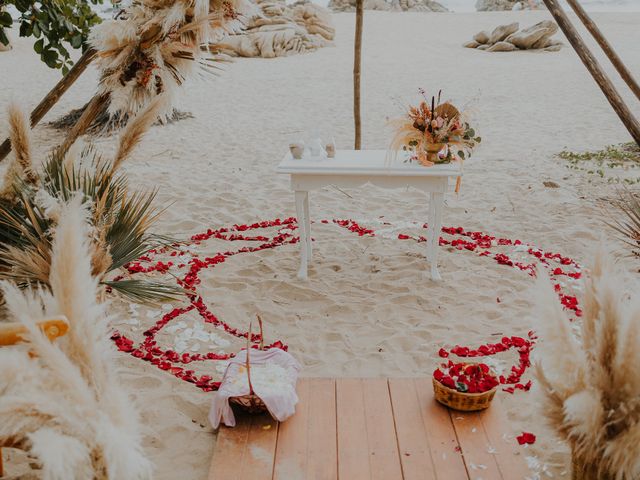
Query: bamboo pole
point(357, 62)
point(54, 95)
point(624, 72)
point(589, 61)
point(92, 110)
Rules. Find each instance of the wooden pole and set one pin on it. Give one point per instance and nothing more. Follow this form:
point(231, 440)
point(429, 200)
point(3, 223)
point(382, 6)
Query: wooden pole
point(357, 62)
point(606, 46)
point(54, 95)
point(92, 110)
point(614, 98)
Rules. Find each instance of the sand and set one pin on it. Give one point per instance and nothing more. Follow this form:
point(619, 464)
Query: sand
point(366, 309)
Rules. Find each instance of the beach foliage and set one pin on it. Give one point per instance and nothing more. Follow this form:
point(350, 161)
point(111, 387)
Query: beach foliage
point(628, 205)
point(614, 163)
point(120, 218)
point(589, 375)
point(57, 25)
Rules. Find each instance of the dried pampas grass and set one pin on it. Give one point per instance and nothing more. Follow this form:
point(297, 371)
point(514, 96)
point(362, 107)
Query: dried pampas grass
point(153, 47)
point(591, 384)
point(65, 404)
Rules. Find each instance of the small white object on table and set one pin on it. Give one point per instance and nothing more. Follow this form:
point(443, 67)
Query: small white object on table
point(352, 168)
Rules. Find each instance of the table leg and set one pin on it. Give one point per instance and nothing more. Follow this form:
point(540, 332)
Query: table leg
point(307, 222)
point(302, 230)
point(435, 225)
point(432, 214)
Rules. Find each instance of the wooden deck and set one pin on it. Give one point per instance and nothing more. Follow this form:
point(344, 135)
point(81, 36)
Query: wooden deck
point(370, 429)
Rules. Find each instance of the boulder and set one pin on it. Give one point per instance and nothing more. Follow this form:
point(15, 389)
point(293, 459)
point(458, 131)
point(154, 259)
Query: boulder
point(281, 30)
point(498, 5)
point(507, 38)
point(553, 48)
point(392, 5)
point(533, 37)
point(493, 5)
point(502, 47)
point(503, 31)
point(482, 37)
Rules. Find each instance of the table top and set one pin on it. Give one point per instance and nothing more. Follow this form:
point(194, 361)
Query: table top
point(365, 162)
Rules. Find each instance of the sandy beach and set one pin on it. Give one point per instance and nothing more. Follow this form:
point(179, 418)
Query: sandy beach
point(367, 309)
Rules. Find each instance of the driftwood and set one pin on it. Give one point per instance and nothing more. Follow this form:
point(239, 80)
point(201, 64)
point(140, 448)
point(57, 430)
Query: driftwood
point(606, 47)
point(596, 71)
point(54, 95)
point(357, 62)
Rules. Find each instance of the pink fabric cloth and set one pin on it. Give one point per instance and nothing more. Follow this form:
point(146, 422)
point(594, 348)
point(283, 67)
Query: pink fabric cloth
point(280, 402)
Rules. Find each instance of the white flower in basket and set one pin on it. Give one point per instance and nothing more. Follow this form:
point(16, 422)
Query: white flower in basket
point(258, 381)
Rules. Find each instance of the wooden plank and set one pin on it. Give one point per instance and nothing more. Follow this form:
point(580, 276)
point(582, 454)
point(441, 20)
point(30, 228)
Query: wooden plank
point(445, 452)
point(509, 455)
point(476, 447)
point(261, 449)
point(413, 442)
point(322, 455)
point(230, 450)
point(384, 457)
point(353, 455)
point(292, 449)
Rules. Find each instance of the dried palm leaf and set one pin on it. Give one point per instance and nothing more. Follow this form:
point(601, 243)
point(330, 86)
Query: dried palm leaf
point(628, 203)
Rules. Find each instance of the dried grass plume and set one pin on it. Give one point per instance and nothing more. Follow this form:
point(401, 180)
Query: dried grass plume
point(66, 405)
point(591, 381)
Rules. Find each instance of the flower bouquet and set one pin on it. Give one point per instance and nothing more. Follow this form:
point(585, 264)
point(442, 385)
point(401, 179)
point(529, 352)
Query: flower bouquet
point(434, 133)
point(464, 386)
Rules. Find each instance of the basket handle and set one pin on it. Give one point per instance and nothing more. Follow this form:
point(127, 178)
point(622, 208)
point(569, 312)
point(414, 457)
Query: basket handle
point(261, 331)
point(248, 363)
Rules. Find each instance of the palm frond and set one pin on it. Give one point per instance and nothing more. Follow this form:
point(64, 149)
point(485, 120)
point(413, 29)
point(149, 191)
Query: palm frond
point(120, 223)
point(146, 291)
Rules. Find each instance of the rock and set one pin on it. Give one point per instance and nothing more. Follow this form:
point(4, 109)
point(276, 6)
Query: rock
point(281, 30)
point(550, 184)
point(553, 48)
point(507, 38)
point(534, 36)
point(503, 31)
point(502, 47)
point(482, 37)
point(493, 5)
point(380, 5)
point(497, 5)
point(386, 5)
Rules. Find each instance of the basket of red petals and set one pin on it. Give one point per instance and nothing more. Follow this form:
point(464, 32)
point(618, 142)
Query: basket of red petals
point(464, 386)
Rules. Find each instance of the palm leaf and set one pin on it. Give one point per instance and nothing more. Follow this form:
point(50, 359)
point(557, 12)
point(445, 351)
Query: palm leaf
point(146, 291)
point(120, 220)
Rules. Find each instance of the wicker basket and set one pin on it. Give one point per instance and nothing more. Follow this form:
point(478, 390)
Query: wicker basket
point(465, 402)
point(251, 403)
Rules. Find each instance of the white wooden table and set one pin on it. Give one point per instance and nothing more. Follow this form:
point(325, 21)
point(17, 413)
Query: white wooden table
point(352, 168)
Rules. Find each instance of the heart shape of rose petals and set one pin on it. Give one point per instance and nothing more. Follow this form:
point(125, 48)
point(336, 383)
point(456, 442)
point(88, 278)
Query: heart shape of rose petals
point(563, 269)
